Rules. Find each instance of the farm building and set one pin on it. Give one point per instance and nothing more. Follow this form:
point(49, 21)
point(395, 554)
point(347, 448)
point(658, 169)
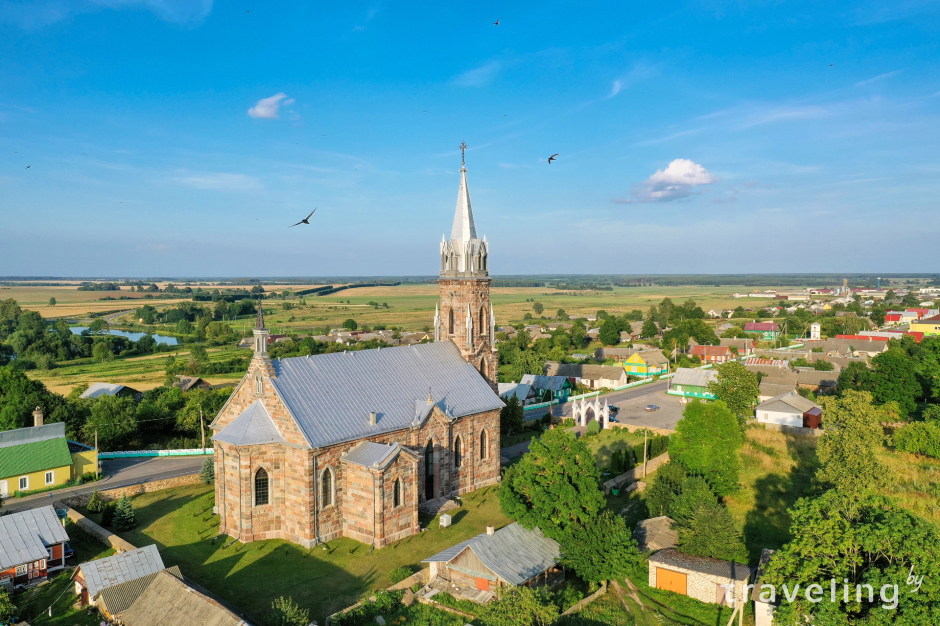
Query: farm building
point(97, 390)
point(40, 456)
point(511, 556)
point(31, 546)
point(692, 383)
point(698, 577)
point(789, 409)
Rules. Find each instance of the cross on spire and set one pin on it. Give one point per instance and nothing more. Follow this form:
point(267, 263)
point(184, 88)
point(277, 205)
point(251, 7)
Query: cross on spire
point(463, 152)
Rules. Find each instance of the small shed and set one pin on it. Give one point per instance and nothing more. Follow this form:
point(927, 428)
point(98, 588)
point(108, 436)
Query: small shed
point(789, 409)
point(97, 390)
point(510, 556)
point(93, 577)
point(698, 577)
point(187, 383)
point(656, 534)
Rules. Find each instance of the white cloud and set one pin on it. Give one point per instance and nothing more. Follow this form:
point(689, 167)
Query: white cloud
point(876, 78)
point(267, 108)
point(615, 89)
point(641, 71)
point(480, 76)
point(220, 181)
point(678, 180)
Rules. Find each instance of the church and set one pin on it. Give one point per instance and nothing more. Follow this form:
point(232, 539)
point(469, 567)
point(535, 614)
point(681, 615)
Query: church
point(308, 449)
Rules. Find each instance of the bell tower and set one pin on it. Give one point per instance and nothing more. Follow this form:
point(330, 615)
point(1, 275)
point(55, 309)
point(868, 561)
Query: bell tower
point(465, 315)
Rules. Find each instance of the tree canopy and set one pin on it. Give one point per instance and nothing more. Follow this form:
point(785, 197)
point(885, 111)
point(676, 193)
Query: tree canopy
point(602, 550)
point(706, 443)
point(736, 387)
point(848, 447)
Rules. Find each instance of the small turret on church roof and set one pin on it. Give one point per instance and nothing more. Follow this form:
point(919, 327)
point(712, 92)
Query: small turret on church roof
point(259, 325)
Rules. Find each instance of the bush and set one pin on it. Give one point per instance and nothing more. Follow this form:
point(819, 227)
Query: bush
point(400, 573)
point(96, 503)
point(547, 420)
point(107, 514)
point(919, 438)
point(593, 428)
point(124, 518)
point(286, 612)
point(568, 422)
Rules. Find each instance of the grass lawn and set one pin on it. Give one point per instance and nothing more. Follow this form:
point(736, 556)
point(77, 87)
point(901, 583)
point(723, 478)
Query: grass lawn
point(251, 576)
point(605, 443)
point(59, 591)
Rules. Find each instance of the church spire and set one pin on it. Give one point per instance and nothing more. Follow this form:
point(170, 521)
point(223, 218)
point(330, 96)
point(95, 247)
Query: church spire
point(260, 323)
point(464, 229)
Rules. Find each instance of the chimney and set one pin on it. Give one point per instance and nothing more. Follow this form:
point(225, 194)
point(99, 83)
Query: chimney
point(490, 530)
point(372, 417)
point(37, 416)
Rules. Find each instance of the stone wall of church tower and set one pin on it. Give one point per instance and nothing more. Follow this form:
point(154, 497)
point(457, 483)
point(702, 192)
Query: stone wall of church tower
point(458, 296)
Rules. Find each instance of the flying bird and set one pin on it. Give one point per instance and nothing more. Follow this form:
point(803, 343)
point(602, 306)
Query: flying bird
point(305, 220)
point(28, 166)
point(83, 154)
point(552, 158)
point(496, 23)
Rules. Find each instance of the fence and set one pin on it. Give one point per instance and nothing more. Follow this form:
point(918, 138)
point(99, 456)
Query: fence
point(141, 453)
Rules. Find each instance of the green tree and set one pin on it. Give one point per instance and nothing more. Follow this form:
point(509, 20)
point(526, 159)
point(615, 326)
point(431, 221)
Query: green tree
point(519, 605)
point(706, 442)
point(665, 489)
point(124, 518)
point(848, 448)
point(736, 387)
point(114, 418)
point(823, 366)
point(102, 352)
point(894, 379)
point(511, 416)
point(855, 377)
point(610, 332)
point(538, 308)
point(96, 503)
point(708, 530)
point(350, 324)
point(207, 473)
point(286, 612)
point(554, 486)
point(8, 610)
point(98, 326)
point(649, 329)
point(602, 550)
point(51, 301)
point(870, 542)
point(593, 428)
point(560, 314)
point(198, 357)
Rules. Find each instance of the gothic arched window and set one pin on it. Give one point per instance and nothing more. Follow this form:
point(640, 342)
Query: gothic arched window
point(482, 444)
point(261, 487)
point(458, 452)
point(450, 321)
point(326, 488)
point(259, 383)
point(483, 368)
point(397, 493)
point(483, 320)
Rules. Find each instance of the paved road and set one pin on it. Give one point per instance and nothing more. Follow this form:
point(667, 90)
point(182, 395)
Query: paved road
point(118, 473)
point(617, 397)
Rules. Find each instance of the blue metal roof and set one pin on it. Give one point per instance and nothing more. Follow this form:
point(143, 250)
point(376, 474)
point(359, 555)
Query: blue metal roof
point(253, 426)
point(330, 396)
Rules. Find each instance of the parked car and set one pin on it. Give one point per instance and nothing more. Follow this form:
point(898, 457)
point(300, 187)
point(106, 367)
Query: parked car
point(613, 419)
point(614, 408)
point(650, 408)
point(67, 550)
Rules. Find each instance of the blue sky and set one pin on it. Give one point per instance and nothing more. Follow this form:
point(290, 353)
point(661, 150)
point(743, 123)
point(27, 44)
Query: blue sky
point(182, 137)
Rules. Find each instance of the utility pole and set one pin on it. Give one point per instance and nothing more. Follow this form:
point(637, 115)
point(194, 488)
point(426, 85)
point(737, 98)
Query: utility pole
point(645, 435)
point(202, 428)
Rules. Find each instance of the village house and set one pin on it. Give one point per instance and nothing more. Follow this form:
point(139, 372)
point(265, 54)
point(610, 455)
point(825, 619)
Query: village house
point(789, 409)
point(523, 392)
point(40, 456)
point(188, 383)
point(549, 387)
point(97, 390)
point(698, 577)
point(172, 599)
point(93, 577)
point(350, 444)
point(712, 354)
point(511, 556)
point(593, 376)
point(768, 331)
point(927, 325)
point(114, 601)
point(32, 544)
point(692, 383)
point(646, 364)
point(745, 347)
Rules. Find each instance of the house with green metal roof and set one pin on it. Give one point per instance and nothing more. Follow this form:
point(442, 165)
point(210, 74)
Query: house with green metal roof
point(40, 457)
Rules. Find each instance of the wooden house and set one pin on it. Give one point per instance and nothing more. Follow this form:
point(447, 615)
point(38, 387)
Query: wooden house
point(31, 546)
point(646, 364)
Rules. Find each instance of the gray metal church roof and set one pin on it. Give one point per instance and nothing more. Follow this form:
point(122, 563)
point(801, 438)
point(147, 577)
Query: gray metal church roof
point(120, 568)
point(25, 535)
point(371, 454)
point(330, 396)
point(253, 426)
point(513, 553)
